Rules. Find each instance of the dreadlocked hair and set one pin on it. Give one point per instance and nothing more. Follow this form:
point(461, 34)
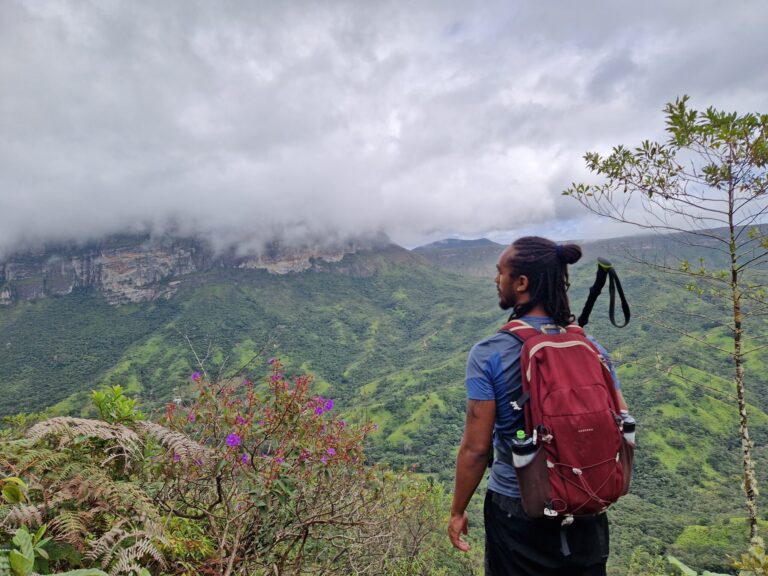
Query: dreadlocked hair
point(546, 266)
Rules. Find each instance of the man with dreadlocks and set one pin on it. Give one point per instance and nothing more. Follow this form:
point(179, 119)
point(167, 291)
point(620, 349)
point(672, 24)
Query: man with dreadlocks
point(532, 281)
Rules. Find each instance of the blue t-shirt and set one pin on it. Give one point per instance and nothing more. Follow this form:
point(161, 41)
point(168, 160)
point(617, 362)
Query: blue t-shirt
point(493, 373)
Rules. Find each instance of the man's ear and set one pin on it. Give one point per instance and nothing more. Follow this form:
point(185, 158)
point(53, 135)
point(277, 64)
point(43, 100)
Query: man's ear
point(522, 283)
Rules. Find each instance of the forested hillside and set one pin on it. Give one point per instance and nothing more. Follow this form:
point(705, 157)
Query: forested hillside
point(390, 344)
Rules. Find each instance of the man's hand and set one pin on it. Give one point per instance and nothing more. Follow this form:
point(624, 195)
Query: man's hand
point(458, 525)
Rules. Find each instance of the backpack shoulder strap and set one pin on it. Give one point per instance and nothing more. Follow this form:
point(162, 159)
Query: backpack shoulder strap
point(519, 329)
point(575, 329)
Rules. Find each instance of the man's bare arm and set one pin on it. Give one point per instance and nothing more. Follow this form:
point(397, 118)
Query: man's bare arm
point(471, 463)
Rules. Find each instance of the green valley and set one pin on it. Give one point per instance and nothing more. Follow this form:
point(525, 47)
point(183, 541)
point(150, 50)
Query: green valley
point(385, 333)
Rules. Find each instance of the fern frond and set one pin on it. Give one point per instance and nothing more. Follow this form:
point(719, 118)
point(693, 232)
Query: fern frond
point(23, 515)
point(67, 428)
point(127, 557)
point(138, 500)
point(104, 547)
point(176, 442)
point(69, 527)
point(42, 459)
point(72, 468)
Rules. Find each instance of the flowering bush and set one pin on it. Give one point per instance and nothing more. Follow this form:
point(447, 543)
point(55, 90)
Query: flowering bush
point(247, 479)
point(284, 487)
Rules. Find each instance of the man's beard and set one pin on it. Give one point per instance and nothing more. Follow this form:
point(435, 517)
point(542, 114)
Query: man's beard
point(505, 302)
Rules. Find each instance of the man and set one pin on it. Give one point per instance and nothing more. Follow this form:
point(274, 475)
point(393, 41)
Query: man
point(532, 281)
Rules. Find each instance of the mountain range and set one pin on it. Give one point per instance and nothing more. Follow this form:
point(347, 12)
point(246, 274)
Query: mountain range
point(385, 332)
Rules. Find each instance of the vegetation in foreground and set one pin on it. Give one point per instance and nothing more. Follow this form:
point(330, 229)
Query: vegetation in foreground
point(247, 479)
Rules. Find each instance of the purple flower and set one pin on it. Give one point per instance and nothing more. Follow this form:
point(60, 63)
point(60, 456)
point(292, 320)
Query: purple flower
point(323, 459)
point(279, 459)
point(233, 440)
point(192, 417)
point(331, 451)
point(198, 462)
point(246, 382)
point(244, 459)
point(261, 422)
point(328, 405)
point(342, 423)
point(196, 376)
point(176, 457)
point(271, 361)
point(319, 410)
point(276, 376)
point(375, 426)
point(239, 420)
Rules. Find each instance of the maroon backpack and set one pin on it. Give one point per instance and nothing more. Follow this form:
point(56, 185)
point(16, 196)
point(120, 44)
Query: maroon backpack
point(582, 462)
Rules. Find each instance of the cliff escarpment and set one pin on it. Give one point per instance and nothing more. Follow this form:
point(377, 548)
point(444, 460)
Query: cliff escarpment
point(142, 269)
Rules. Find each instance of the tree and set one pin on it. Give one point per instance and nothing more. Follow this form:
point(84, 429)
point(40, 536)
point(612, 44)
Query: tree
point(708, 184)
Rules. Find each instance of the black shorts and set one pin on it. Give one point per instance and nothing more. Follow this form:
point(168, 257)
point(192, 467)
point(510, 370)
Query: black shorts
point(516, 545)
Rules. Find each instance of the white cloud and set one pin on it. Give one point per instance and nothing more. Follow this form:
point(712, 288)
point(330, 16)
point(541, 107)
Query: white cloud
point(246, 120)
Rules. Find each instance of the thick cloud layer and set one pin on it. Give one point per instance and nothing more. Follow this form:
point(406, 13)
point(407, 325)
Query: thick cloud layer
point(242, 121)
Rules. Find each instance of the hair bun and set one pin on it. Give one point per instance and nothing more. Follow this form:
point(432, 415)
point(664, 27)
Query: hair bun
point(569, 253)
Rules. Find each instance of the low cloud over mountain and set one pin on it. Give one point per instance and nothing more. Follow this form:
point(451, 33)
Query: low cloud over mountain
point(246, 121)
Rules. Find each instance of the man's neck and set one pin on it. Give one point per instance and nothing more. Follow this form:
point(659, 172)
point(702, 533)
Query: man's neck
point(537, 310)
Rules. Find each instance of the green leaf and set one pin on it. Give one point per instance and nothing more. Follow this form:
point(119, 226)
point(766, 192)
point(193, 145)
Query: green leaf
point(40, 534)
point(23, 541)
point(13, 494)
point(20, 563)
point(13, 490)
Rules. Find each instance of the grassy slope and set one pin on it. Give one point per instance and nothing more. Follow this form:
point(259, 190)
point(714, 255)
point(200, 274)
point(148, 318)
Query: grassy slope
point(392, 347)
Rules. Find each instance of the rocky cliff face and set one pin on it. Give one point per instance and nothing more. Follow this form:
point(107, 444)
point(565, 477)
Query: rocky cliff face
point(140, 270)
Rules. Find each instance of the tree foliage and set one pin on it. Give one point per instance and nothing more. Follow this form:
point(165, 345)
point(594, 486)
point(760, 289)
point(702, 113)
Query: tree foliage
point(708, 181)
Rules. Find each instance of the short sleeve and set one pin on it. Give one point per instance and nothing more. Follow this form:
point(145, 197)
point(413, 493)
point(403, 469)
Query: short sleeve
point(479, 380)
point(608, 361)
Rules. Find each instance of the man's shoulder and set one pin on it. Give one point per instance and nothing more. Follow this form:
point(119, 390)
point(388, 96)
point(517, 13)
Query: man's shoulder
point(498, 343)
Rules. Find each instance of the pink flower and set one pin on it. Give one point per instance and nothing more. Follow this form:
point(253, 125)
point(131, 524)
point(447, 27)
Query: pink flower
point(331, 451)
point(176, 457)
point(196, 376)
point(271, 361)
point(261, 422)
point(191, 417)
point(239, 420)
point(233, 440)
point(323, 459)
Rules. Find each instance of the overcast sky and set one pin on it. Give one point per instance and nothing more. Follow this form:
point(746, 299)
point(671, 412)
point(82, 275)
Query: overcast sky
point(246, 120)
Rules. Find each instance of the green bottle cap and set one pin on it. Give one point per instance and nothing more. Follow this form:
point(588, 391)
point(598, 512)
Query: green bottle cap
point(521, 434)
